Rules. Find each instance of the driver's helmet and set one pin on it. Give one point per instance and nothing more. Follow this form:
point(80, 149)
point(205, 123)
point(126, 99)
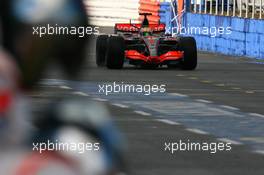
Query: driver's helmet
point(146, 31)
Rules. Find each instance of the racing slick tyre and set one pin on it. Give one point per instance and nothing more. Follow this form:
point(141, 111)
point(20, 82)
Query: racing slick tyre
point(188, 45)
point(101, 45)
point(115, 52)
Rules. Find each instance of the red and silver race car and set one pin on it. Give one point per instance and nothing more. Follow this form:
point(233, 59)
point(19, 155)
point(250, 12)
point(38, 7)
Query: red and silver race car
point(145, 45)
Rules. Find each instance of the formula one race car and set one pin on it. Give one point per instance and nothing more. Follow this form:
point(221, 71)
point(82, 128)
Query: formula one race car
point(145, 45)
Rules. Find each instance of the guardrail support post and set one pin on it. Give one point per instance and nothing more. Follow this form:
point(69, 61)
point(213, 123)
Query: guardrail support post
point(234, 7)
point(253, 9)
point(240, 8)
point(222, 7)
point(188, 5)
point(260, 9)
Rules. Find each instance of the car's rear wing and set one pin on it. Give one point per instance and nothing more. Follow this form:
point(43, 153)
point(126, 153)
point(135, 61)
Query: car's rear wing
point(128, 27)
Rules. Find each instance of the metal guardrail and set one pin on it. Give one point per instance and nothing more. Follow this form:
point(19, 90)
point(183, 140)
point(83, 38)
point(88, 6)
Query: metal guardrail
point(240, 8)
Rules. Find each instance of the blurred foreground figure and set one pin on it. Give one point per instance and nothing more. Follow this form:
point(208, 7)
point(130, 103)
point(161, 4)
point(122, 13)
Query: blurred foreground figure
point(72, 136)
point(83, 134)
point(12, 106)
point(33, 53)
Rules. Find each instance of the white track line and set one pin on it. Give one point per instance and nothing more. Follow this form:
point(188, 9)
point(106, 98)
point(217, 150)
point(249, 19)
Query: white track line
point(229, 107)
point(143, 113)
point(203, 101)
point(120, 105)
point(206, 81)
point(256, 115)
point(167, 122)
point(259, 152)
point(178, 95)
point(193, 78)
point(220, 85)
point(196, 131)
point(236, 88)
point(81, 94)
point(233, 142)
point(100, 99)
point(65, 87)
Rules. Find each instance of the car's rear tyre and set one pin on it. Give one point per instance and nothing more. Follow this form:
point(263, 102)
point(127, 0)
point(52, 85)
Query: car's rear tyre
point(188, 45)
point(101, 46)
point(115, 52)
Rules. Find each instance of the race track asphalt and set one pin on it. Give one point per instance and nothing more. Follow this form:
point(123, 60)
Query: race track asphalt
point(221, 101)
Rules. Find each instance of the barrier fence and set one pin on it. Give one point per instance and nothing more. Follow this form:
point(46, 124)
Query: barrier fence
point(166, 14)
point(150, 6)
point(239, 8)
point(109, 12)
point(235, 26)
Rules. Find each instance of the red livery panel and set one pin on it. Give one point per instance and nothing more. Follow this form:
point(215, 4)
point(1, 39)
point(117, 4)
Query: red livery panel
point(127, 27)
point(171, 55)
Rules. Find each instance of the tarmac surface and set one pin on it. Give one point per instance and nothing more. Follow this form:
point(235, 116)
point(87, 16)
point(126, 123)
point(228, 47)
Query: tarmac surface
point(219, 102)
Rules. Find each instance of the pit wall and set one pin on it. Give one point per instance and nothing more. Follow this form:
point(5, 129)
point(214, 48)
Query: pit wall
point(246, 39)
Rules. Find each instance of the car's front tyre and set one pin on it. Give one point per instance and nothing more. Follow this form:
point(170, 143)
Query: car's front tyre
point(115, 52)
point(101, 46)
point(188, 46)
